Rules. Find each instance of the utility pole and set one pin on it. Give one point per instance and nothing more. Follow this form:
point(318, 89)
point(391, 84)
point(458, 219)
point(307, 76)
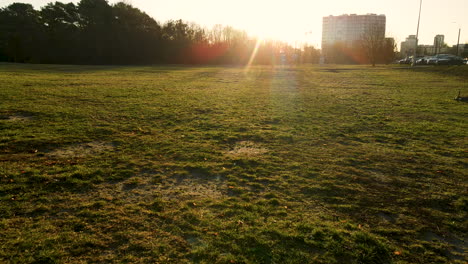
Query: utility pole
point(417, 34)
point(458, 42)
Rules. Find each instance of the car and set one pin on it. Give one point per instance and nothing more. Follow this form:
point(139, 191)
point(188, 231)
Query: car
point(432, 60)
point(406, 60)
point(465, 60)
point(450, 60)
point(422, 60)
point(445, 59)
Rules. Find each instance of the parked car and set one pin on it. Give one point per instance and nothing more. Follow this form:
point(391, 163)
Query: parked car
point(422, 60)
point(432, 60)
point(450, 60)
point(445, 59)
point(406, 60)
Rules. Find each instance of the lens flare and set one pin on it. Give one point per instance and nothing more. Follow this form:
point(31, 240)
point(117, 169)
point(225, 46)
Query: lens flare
point(254, 53)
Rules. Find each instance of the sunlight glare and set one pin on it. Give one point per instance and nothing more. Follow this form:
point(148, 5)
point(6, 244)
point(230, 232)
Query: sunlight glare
point(254, 53)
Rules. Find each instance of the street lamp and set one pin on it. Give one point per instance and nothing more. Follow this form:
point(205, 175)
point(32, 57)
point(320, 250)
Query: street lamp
point(458, 41)
point(417, 34)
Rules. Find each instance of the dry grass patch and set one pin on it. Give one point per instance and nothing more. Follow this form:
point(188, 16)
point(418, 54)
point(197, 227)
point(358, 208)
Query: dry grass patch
point(191, 189)
point(81, 150)
point(247, 149)
point(17, 118)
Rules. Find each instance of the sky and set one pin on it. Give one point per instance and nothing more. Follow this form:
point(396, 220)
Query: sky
point(300, 21)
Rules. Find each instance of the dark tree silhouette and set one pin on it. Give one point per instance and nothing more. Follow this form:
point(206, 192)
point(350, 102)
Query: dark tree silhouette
point(61, 26)
point(20, 33)
point(95, 32)
point(136, 36)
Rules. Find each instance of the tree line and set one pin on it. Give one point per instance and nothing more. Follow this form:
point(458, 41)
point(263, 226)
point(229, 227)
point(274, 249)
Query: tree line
point(96, 32)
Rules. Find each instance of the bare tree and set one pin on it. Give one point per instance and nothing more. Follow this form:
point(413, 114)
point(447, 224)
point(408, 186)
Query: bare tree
point(372, 42)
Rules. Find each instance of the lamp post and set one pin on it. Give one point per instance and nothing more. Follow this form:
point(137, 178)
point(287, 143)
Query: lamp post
point(417, 34)
point(458, 41)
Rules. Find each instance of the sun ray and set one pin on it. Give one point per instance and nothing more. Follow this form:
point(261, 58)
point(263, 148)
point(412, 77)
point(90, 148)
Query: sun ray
point(254, 53)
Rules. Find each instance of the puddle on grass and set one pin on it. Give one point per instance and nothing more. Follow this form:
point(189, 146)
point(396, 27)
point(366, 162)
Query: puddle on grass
point(81, 150)
point(457, 246)
point(196, 242)
point(428, 236)
point(387, 217)
point(334, 70)
point(247, 149)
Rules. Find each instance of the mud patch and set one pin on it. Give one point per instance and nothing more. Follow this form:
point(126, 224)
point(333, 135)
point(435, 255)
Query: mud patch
point(247, 149)
point(81, 150)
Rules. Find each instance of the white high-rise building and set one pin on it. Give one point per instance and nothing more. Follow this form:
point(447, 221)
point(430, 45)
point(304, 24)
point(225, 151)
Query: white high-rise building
point(407, 46)
point(349, 28)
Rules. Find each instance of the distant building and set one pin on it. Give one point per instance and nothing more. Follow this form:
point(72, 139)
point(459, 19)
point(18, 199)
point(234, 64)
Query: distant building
point(428, 50)
point(462, 50)
point(438, 43)
point(439, 47)
point(407, 46)
point(347, 29)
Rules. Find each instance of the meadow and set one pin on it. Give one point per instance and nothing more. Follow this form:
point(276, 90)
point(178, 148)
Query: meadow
point(285, 164)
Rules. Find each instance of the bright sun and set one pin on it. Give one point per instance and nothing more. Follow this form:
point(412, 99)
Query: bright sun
point(271, 20)
point(287, 21)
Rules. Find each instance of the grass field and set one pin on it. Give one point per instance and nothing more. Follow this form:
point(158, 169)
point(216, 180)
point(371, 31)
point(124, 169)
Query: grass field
point(306, 164)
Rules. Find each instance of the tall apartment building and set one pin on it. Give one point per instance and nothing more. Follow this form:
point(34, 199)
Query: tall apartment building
point(438, 43)
point(407, 46)
point(349, 28)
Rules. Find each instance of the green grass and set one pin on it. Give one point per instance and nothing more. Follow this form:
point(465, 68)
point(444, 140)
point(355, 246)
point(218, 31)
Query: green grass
point(336, 164)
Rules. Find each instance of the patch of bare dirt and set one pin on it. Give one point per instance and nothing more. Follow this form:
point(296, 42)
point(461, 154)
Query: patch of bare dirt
point(190, 189)
point(81, 150)
point(17, 118)
point(145, 187)
point(247, 149)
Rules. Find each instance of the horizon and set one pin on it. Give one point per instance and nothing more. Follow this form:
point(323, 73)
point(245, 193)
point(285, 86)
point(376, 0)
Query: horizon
point(300, 26)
